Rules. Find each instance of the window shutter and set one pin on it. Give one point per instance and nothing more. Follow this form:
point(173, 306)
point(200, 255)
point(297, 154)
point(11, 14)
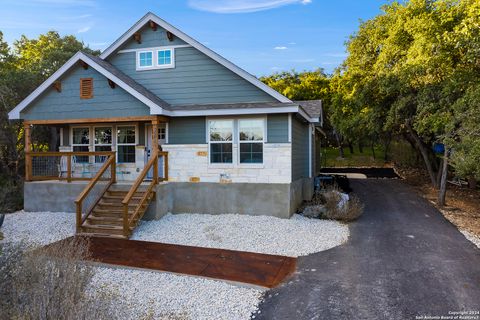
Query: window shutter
point(86, 88)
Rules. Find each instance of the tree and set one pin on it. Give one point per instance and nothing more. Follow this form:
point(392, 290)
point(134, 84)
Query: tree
point(23, 68)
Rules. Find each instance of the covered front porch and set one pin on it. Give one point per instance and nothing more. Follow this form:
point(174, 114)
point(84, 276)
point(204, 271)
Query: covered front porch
point(120, 161)
point(86, 144)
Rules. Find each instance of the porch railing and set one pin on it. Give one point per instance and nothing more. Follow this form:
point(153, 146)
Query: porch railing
point(67, 166)
point(140, 207)
point(95, 190)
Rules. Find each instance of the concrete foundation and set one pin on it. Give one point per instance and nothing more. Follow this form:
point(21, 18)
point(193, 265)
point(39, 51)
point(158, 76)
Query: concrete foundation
point(272, 199)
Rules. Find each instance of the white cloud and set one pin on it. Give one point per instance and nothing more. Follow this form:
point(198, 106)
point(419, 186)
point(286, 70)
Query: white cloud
point(79, 17)
point(292, 43)
point(241, 6)
point(336, 55)
point(84, 29)
point(280, 48)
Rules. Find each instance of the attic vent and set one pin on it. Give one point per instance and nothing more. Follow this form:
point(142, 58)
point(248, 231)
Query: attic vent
point(86, 88)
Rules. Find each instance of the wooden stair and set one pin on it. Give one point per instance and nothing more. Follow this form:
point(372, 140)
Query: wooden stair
point(106, 217)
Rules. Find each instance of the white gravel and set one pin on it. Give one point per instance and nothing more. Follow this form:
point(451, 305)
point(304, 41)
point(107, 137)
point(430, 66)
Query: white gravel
point(471, 237)
point(169, 296)
point(37, 228)
point(289, 237)
point(155, 295)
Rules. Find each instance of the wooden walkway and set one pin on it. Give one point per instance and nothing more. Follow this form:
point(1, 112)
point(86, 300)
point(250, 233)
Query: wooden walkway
point(253, 268)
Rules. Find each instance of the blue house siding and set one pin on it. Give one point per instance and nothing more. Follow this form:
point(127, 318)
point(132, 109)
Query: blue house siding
point(277, 128)
point(196, 78)
point(299, 149)
point(188, 130)
point(106, 102)
point(152, 38)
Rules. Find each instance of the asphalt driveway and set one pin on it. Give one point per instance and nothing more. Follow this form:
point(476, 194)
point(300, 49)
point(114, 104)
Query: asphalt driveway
point(403, 260)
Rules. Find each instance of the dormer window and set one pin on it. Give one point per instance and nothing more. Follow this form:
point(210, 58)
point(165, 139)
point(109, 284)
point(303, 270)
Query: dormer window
point(145, 59)
point(155, 58)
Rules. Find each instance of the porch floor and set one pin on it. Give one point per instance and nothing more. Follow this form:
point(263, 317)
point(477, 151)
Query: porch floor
point(239, 266)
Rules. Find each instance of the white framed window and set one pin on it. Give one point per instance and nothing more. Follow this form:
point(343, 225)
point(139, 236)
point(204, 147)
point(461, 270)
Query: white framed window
point(102, 141)
point(251, 134)
point(81, 142)
point(126, 140)
point(220, 140)
point(144, 59)
point(165, 58)
point(155, 58)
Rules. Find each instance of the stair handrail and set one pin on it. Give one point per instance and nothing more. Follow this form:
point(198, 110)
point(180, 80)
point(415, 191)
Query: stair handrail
point(79, 201)
point(152, 162)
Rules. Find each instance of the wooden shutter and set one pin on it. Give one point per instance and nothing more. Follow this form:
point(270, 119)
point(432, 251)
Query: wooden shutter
point(86, 88)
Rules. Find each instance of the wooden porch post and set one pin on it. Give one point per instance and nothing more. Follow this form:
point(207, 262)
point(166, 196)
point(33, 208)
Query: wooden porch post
point(28, 148)
point(155, 148)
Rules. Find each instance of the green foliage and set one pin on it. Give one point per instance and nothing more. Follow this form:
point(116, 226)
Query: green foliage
point(22, 69)
point(413, 71)
point(307, 85)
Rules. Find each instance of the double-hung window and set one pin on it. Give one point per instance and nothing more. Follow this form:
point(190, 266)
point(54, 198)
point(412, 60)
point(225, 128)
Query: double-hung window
point(251, 132)
point(102, 141)
point(81, 142)
point(145, 59)
point(221, 141)
point(126, 144)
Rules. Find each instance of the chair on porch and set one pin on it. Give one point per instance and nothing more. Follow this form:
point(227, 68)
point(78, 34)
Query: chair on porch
point(63, 165)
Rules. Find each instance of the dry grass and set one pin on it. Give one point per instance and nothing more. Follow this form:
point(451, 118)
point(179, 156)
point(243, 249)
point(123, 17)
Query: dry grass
point(48, 283)
point(463, 204)
point(325, 205)
point(346, 212)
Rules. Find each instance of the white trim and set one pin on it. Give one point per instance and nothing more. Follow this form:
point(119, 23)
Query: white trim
point(155, 65)
point(238, 111)
point(239, 142)
point(232, 142)
point(137, 58)
point(134, 144)
point(197, 45)
point(15, 113)
point(61, 137)
point(155, 48)
point(289, 127)
point(166, 133)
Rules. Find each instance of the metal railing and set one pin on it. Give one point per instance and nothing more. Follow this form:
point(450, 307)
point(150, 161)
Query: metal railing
point(95, 190)
point(67, 166)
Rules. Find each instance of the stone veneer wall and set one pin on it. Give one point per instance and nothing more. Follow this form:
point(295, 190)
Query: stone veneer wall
point(190, 163)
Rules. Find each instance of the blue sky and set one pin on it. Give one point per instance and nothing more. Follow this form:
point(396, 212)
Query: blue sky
point(261, 36)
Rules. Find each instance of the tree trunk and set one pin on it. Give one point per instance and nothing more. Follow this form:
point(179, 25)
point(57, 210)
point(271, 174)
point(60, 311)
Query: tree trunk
point(443, 183)
point(423, 151)
point(373, 150)
point(386, 148)
point(360, 147)
point(439, 173)
point(350, 147)
point(340, 147)
point(472, 182)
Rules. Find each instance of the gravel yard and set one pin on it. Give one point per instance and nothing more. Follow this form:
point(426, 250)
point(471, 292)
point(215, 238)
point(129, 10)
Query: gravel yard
point(168, 296)
point(157, 295)
point(38, 228)
point(294, 237)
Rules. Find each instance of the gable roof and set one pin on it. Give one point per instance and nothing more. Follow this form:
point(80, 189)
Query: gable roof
point(313, 108)
point(156, 105)
point(197, 45)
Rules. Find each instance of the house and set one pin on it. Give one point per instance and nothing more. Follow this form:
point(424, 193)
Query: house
point(160, 123)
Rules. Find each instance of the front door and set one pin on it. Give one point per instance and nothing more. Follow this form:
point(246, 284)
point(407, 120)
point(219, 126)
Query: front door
point(162, 139)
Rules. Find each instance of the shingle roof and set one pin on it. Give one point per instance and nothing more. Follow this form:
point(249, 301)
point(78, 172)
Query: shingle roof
point(312, 107)
point(130, 82)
